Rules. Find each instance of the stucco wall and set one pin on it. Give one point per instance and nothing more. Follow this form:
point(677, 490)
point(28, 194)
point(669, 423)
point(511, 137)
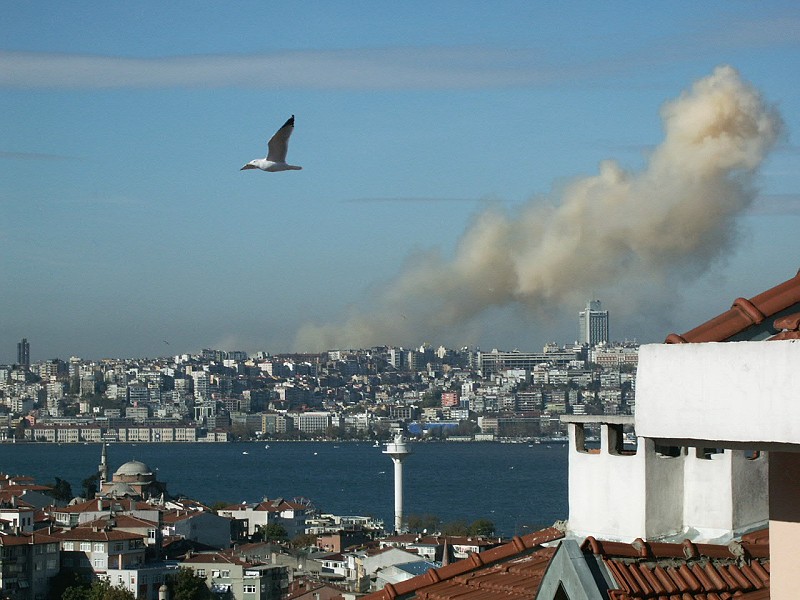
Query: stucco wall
point(650, 495)
point(606, 493)
point(665, 491)
point(730, 391)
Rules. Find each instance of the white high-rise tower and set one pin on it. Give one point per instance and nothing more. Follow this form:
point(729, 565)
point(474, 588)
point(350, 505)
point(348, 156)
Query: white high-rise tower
point(593, 324)
point(398, 450)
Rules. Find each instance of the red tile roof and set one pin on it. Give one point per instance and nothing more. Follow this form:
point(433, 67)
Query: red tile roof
point(120, 521)
point(513, 570)
point(22, 539)
point(215, 557)
point(686, 571)
point(90, 535)
point(745, 314)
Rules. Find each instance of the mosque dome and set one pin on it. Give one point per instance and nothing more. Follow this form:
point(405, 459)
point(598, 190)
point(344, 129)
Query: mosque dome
point(133, 469)
point(119, 490)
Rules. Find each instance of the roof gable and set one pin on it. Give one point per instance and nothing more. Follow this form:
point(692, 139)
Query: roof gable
point(753, 319)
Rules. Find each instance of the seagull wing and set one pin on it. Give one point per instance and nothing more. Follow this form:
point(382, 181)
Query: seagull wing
point(279, 143)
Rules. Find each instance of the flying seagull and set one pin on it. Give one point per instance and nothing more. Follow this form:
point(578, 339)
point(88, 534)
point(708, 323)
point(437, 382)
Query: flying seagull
point(276, 152)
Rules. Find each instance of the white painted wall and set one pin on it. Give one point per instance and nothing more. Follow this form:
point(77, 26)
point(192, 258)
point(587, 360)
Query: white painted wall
point(729, 391)
point(652, 496)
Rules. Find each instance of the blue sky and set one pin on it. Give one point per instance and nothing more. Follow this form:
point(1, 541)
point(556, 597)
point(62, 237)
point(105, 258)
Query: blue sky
point(126, 223)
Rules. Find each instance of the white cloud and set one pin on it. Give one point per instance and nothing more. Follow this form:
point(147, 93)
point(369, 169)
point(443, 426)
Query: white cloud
point(392, 68)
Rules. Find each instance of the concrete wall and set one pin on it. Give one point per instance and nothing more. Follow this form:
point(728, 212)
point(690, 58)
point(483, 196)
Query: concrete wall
point(664, 491)
point(736, 392)
point(750, 490)
point(652, 495)
point(606, 492)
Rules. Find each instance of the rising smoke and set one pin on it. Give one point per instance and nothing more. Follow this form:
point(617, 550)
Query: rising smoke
point(639, 230)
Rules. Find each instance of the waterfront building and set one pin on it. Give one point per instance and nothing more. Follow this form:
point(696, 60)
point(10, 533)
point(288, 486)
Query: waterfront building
point(593, 324)
point(314, 421)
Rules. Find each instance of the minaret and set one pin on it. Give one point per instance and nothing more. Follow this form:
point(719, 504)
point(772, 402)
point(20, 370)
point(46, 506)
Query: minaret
point(103, 467)
point(398, 450)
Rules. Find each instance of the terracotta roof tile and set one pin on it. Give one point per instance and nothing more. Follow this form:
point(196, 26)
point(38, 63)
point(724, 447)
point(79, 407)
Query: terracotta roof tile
point(747, 313)
point(684, 571)
point(508, 572)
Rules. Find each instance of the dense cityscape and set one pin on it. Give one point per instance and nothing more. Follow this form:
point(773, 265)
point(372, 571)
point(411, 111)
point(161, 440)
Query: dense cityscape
point(125, 531)
point(426, 392)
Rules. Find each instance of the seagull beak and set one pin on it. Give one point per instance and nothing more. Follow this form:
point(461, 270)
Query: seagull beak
point(247, 166)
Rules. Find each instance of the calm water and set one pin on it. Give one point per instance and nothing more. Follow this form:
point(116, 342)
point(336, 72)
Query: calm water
point(515, 486)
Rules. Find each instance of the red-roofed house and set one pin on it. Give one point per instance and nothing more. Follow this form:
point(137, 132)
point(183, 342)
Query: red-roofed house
point(92, 550)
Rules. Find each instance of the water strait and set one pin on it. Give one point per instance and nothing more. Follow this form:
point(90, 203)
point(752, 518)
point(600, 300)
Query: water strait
point(516, 486)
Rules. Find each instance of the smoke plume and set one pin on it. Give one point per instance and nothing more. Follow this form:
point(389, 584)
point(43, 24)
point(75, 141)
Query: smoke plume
point(616, 230)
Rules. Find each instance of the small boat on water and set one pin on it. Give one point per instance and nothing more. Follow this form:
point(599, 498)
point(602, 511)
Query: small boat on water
point(245, 452)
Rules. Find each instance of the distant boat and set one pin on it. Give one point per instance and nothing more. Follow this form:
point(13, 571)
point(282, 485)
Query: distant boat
point(376, 444)
point(245, 452)
point(266, 447)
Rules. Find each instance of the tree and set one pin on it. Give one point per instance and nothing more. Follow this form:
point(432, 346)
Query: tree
point(271, 532)
point(482, 527)
point(90, 485)
point(64, 580)
point(61, 490)
point(98, 590)
point(185, 585)
point(304, 540)
point(455, 528)
point(419, 523)
point(19, 430)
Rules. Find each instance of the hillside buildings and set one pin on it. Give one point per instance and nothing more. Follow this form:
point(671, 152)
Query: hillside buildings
point(361, 394)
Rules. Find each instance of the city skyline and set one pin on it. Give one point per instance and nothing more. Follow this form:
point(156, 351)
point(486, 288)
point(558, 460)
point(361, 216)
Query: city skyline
point(472, 173)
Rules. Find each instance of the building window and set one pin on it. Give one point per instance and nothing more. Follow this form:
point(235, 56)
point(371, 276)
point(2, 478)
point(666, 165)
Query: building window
point(225, 574)
point(86, 546)
point(215, 573)
point(51, 564)
point(99, 563)
point(118, 547)
point(99, 547)
point(249, 589)
point(69, 546)
point(201, 572)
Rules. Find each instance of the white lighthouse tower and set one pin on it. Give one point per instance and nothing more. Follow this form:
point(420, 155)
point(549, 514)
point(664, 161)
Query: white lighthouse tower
point(398, 450)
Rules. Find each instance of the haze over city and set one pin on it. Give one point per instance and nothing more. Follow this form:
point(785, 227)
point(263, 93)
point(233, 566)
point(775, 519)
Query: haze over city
point(472, 173)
